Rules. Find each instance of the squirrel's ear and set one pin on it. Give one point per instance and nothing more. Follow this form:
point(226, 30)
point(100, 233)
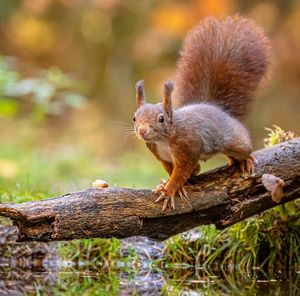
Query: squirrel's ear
point(167, 102)
point(140, 93)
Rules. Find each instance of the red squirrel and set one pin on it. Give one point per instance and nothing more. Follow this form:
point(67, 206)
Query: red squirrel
point(222, 63)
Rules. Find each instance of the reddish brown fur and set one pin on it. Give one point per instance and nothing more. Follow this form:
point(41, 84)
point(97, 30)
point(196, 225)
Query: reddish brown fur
point(222, 61)
point(222, 64)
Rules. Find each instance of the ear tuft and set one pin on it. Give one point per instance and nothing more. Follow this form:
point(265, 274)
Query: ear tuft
point(140, 93)
point(167, 102)
point(169, 87)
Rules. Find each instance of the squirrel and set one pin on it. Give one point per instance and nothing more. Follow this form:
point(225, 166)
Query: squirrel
point(222, 63)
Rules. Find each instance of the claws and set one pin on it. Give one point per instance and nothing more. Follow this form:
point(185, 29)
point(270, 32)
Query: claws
point(165, 205)
point(183, 195)
point(161, 197)
point(160, 188)
point(166, 201)
point(254, 159)
point(180, 193)
point(184, 191)
point(247, 165)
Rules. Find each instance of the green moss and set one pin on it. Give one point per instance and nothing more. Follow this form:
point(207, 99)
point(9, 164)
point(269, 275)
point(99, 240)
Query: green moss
point(270, 241)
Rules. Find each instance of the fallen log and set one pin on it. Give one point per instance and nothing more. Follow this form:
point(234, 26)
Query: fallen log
point(223, 197)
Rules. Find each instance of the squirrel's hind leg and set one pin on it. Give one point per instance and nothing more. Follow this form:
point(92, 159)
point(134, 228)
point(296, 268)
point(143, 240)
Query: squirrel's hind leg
point(245, 159)
point(247, 165)
point(231, 160)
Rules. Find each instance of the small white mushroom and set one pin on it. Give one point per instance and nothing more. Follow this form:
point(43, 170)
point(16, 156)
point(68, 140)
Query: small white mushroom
point(274, 185)
point(98, 183)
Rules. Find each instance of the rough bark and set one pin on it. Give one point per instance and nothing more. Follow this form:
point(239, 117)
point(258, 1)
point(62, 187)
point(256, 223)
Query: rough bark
point(223, 197)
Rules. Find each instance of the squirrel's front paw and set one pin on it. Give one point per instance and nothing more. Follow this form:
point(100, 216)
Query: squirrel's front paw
point(160, 187)
point(168, 195)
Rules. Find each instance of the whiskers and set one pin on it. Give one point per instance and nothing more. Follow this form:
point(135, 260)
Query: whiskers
point(124, 130)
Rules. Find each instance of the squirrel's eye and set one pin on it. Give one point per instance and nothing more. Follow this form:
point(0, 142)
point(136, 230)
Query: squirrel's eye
point(133, 118)
point(161, 118)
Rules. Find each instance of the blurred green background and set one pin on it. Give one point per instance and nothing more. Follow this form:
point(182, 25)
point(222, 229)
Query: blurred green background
point(67, 75)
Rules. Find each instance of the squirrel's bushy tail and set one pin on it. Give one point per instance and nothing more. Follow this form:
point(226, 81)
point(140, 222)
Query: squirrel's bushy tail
point(223, 62)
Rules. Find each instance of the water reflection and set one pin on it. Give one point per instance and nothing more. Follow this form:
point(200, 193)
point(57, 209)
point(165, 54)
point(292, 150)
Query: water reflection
point(152, 283)
point(37, 269)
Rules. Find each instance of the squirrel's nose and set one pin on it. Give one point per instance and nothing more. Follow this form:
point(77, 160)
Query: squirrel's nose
point(143, 131)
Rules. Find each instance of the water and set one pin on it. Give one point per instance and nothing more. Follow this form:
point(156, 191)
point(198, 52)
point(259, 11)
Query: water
point(20, 282)
point(37, 269)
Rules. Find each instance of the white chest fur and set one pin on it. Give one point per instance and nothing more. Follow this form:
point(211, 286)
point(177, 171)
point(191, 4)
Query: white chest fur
point(164, 151)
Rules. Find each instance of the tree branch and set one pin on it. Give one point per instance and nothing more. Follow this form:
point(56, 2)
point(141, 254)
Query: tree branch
point(223, 197)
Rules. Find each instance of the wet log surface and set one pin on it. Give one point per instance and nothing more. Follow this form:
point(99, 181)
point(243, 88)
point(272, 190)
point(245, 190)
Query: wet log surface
point(222, 197)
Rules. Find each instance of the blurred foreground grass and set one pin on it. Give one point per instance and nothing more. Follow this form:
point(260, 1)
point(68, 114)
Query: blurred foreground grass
point(32, 174)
